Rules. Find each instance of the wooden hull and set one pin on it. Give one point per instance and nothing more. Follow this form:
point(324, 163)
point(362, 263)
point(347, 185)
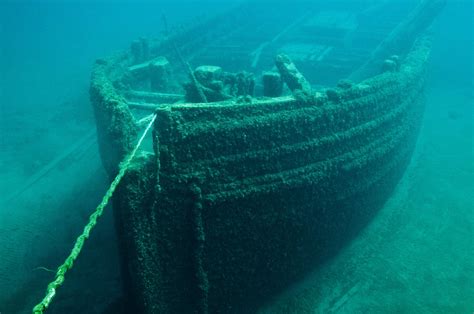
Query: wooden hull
point(241, 199)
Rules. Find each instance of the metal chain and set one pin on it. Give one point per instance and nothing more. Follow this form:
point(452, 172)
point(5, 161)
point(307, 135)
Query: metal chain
point(76, 250)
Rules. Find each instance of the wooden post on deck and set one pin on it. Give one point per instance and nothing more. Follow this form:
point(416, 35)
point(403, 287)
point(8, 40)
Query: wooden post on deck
point(290, 74)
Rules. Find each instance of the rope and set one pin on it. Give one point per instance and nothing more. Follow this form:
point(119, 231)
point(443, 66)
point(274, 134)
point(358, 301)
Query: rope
point(76, 250)
point(195, 82)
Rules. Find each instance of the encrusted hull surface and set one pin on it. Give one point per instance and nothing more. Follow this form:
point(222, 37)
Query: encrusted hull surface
point(239, 200)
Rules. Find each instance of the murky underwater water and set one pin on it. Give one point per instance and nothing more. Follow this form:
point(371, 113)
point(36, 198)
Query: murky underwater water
point(416, 256)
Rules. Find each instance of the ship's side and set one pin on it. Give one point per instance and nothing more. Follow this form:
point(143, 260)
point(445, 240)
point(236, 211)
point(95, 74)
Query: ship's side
point(239, 199)
point(241, 196)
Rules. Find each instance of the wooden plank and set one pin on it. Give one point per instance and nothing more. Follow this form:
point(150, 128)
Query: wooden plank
point(152, 97)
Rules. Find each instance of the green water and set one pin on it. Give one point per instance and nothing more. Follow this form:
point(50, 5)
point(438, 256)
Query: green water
point(416, 256)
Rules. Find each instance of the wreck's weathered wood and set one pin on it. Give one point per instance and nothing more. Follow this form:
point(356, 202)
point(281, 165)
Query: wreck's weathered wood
point(306, 170)
point(290, 74)
point(139, 69)
point(143, 106)
point(152, 97)
point(160, 74)
point(401, 38)
point(194, 82)
point(272, 84)
point(308, 165)
point(219, 104)
point(140, 50)
point(116, 128)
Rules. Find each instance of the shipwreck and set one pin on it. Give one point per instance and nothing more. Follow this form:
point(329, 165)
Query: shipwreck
point(279, 131)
